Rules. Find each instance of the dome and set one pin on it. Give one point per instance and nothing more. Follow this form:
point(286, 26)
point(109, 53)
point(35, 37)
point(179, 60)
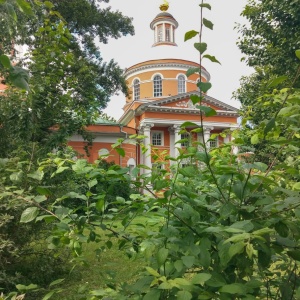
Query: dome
point(163, 16)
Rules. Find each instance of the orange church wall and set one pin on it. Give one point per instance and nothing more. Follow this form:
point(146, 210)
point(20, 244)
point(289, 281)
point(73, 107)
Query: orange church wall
point(130, 151)
point(169, 83)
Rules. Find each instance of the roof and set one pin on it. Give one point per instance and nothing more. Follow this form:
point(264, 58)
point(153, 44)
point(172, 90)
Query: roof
point(103, 121)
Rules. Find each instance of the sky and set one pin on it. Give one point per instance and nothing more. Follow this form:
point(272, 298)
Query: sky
point(221, 41)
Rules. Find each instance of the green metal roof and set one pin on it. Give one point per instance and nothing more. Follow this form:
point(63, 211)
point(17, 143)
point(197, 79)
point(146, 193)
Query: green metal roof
point(103, 121)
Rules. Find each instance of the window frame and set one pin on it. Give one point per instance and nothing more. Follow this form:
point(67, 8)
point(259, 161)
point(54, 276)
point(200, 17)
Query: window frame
point(153, 133)
point(183, 136)
point(157, 86)
point(181, 84)
point(136, 91)
point(214, 143)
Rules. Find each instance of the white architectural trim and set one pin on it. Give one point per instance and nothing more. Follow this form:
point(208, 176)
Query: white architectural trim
point(155, 74)
point(155, 66)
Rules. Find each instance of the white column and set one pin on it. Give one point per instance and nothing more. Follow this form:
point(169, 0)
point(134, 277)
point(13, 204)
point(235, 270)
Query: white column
point(206, 133)
point(172, 141)
point(177, 137)
point(226, 139)
point(235, 149)
point(147, 142)
point(164, 32)
point(155, 35)
point(171, 34)
point(200, 140)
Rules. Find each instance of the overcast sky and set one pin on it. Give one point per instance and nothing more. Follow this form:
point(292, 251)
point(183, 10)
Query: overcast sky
point(130, 50)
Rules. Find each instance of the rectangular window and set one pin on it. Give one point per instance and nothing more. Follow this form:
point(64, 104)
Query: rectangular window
point(157, 138)
point(185, 136)
point(214, 142)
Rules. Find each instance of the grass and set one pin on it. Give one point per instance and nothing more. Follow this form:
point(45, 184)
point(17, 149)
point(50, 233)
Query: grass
point(101, 266)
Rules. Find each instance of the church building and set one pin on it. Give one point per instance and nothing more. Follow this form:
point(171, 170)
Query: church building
point(159, 103)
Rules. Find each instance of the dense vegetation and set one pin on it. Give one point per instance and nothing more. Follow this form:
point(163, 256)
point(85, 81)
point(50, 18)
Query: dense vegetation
point(225, 227)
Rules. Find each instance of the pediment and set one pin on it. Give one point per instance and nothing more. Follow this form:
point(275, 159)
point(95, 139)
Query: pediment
point(183, 101)
point(188, 104)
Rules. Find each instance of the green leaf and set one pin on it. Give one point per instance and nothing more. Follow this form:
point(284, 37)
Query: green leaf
point(11, 11)
point(178, 265)
point(203, 156)
point(43, 191)
point(190, 34)
point(184, 295)
point(206, 5)
point(182, 282)
point(238, 237)
point(49, 295)
point(276, 81)
point(201, 47)
point(2, 1)
point(152, 295)
point(195, 99)
point(55, 282)
point(254, 139)
point(25, 7)
point(19, 78)
point(236, 249)
point(295, 254)
point(201, 278)
point(269, 126)
point(234, 288)
point(192, 71)
point(167, 285)
point(152, 272)
point(204, 86)
point(29, 287)
point(188, 261)
point(238, 189)
point(296, 186)
point(40, 198)
point(75, 195)
point(263, 231)
point(92, 183)
point(211, 58)
point(208, 24)
point(5, 61)
point(38, 175)
point(209, 112)
point(297, 52)
point(188, 171)
point(120, 151)
point(162, 255)
point(187, 124)
point(100, 205)
point(61, 169)
point(29, 214)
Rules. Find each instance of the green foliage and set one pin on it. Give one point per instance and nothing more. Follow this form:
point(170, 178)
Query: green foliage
point(226, 227)
point(69, 81)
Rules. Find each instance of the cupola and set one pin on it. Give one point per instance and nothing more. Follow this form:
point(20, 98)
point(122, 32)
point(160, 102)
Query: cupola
point(164, 25)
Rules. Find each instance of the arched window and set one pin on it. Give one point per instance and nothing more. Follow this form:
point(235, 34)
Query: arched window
point(136, 89)
point(181, 84)
point(157, 86)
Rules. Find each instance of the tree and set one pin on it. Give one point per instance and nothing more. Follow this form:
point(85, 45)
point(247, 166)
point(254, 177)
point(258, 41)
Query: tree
point(70, 84)
point(268, 43)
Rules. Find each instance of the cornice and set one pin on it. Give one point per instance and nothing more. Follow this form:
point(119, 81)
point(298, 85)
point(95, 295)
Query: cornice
point(176, 110)
point(164, 65)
